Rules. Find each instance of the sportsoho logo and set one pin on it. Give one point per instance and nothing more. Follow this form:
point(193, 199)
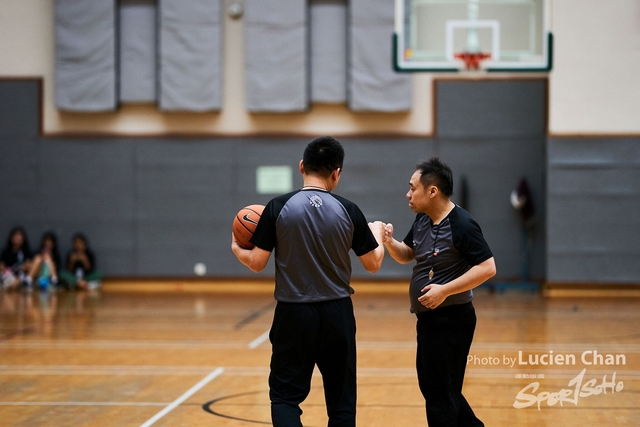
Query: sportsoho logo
point(579, 387)
point(528, 396)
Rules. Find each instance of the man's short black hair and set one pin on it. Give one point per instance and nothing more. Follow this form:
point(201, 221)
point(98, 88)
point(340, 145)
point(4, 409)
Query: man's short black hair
point(322, 156)
point(435, 172)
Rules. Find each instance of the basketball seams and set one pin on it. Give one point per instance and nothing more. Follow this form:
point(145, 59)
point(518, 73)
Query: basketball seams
point(238, 231)
point(245, 232)
point(243, 224)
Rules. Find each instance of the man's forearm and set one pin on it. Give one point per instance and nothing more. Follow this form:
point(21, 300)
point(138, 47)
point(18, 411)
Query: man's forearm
point(399, 251)
point(474, 277)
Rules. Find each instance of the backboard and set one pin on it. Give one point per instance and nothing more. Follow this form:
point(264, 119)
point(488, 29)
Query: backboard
point(456, 35)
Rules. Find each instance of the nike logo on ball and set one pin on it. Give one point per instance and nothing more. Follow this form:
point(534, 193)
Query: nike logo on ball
point(246, 218)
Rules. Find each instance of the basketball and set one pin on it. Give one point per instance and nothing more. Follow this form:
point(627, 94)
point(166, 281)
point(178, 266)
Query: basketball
point(245, 223)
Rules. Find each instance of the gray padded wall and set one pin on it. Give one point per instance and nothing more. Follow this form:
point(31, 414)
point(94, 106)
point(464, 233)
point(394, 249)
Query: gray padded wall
point(19, 171)
point(156, 206)
point(493, 133)
point(65, 185)
point(184, 200)
point(594, 200)
point(85, 63)
point(491, 108)
point(20, 114)
point(85, 185)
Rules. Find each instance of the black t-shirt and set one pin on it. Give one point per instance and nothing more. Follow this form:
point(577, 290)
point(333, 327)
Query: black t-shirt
point(312, 232)
point(13, 259)
point(79, 265)
point(55, 256)
point(450, 248)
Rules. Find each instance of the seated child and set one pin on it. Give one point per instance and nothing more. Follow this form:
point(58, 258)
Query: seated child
point(44, 268)
point(15, 259)
point(80, 268)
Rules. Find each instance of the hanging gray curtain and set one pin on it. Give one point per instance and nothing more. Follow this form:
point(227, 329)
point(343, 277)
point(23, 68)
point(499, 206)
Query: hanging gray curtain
point(373, 84)
point(328, 50)
point(190, 55)
point(137, 50)
point(85, 57)
point(276, 55)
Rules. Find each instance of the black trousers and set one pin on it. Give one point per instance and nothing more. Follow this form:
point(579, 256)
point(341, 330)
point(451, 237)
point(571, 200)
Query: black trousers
point(444, 339)
point(304, 335)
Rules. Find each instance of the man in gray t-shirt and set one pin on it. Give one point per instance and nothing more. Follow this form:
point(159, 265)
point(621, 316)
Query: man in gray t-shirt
point(312, 232)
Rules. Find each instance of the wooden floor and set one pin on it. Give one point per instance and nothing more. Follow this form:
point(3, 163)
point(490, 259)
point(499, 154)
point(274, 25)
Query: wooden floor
point(115, 358)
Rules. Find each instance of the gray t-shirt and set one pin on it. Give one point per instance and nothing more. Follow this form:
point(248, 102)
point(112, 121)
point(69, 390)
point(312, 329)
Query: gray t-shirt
point(312, 232)
point(450, 248)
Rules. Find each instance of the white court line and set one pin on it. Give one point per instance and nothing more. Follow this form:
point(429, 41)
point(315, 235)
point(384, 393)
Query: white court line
point(262, 338)
point(217, 372)
point(83, 403)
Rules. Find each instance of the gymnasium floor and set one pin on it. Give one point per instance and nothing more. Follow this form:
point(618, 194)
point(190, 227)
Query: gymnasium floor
point(183, 357)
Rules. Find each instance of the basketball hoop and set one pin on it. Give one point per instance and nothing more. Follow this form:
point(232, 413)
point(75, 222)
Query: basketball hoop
point(472, 60)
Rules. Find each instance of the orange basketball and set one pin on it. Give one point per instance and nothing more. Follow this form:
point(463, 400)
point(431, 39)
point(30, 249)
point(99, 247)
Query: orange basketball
point(245, 223)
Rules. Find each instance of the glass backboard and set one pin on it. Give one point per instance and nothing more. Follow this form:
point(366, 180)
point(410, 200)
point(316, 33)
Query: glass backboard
point(454, 35)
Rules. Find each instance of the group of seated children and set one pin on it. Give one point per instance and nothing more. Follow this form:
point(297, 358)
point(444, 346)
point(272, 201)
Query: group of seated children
point(21, 269)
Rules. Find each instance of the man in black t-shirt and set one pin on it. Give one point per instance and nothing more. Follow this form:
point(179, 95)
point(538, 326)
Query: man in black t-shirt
point(312, 232)
point(452, 257)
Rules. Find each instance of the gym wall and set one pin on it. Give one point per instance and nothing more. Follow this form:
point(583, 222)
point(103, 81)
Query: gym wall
point(589, 155)
point(156, 206)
